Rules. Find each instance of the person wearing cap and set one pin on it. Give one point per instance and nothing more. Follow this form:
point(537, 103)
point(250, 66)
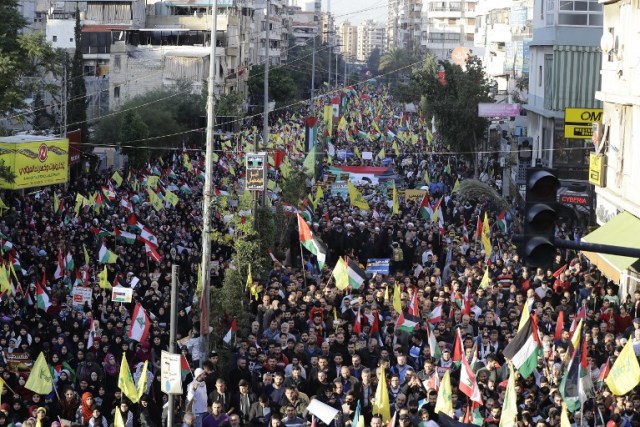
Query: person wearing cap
point(197, 396)
point(243, 399)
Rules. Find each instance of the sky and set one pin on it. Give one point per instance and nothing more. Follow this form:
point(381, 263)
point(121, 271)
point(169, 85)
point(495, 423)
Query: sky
point(345, 10)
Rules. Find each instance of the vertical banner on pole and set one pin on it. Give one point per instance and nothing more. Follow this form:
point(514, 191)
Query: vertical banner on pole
point(328, 118)
point(170, 373)
point(311, 132)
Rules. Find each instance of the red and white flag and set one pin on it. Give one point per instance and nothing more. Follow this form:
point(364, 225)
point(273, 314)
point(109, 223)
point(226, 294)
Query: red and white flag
point(152, 252)
point(92, 334)
point(140, 325)
point(414, 308)
point(468, 384)
point(60, 266)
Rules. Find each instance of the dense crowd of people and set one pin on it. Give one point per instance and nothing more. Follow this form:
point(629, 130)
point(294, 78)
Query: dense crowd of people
point(308, 339)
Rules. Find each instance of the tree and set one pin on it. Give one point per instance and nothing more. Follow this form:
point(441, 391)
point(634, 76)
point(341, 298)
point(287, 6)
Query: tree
point(133, 131)
point(373, 61)
point(24, 59)
point(397, 64)
point(230, 104)
point(170, 115)
point(282, 88)
point(6, 174)
point(455, 104)
point(292, 190)
point(77, 90)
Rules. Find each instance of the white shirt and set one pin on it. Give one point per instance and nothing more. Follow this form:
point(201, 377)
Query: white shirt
point(198, 395)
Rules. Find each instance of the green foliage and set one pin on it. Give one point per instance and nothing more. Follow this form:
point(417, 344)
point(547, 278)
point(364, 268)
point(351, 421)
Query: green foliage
point(24, 59)
point(167, 114)
point(230, 104)
point(282, 88)
point(293, 189)
point(455, 104)
point(373, 61)
point(132, 130)
point(281, 226)
point(77, 90)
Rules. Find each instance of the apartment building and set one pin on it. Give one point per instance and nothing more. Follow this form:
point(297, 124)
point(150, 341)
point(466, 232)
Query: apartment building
point(303, 26)
point(447, 25)
point(348, 39)
point(371, 35)
point(404, 24)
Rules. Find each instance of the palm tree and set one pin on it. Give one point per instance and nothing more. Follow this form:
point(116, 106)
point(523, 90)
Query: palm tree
point(396, 59)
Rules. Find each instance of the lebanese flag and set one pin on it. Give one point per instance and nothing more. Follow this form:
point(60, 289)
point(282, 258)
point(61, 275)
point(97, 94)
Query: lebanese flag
point(559, 326)
point(433, 383)
point(414, 309)
point(436, 315)
point(335, 105)
point(140, 325)
point(273, 257)
point(109, 193)
point(466, 301)
point(92, 334)
point(375, 326)
point(148, 237)
point(60, 267)
point(152, 252)
point(126, 204)
point(357, 326)
point(468, 384)
point(457, 348)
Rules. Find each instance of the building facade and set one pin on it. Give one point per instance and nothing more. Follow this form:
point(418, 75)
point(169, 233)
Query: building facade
point(404, 24)
point(348, 40)
point(371, 35)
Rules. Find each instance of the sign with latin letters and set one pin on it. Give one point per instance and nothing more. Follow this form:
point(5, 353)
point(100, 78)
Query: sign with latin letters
point(578, 122)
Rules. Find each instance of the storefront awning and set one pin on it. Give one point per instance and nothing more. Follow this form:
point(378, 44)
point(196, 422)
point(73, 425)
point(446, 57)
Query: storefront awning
point(623, 230)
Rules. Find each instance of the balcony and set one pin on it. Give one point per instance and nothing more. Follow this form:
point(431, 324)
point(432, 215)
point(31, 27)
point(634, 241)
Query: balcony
point(198, 22)
point(273, 53)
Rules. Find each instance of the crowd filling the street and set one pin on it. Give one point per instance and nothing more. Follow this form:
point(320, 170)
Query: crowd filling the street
point(398, 301)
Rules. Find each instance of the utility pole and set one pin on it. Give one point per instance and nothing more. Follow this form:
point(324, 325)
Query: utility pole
point(313, 68)
point(265, 118)
point(208, 169)
point(172, 332)
point(345, 71)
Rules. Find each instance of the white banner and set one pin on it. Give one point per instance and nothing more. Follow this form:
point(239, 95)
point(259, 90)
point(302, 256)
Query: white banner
point(81, 295)
point(170, 376)
point(121, 294)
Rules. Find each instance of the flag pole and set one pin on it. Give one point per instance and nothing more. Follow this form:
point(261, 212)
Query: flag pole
point(304, 272)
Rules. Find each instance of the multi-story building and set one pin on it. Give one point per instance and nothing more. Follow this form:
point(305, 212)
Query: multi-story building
point(446, 25)
point(404, 24)
point(303, 26)
point(564, 63)
point(348, 36)
point(617, 200)
point(502, 38)
point(371, 35)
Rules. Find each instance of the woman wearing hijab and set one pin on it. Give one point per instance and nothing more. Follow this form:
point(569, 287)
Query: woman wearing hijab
point(111, 370)
point(69, 404)
point(84, 412)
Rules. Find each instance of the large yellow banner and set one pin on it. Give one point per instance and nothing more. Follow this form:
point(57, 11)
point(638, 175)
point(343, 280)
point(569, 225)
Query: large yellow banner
point(36, 163)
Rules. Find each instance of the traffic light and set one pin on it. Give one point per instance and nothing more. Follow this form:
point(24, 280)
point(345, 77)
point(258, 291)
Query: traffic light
point(541, 213)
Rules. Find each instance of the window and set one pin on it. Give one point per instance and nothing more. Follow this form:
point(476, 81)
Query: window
point(71, 40)
point(55, 39)
point(116, 92)
point(580, 12)
point(539, 75)
point(116, 63)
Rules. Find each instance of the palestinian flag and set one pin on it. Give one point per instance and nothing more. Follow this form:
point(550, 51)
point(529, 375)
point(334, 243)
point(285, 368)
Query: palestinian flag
point(357, 275)
point(42, 298)
point(231, 333)
point(502, 221)
point(311, 243)
point(524, 348)
point(425, 210)
point(405, 324)
point(576, 386)
point(457, 348)
point(15, 261)
point(69, 265)
point(436, 314)
point(7, 246)
point(604, 372)
point(129, 238)
point(184, 367)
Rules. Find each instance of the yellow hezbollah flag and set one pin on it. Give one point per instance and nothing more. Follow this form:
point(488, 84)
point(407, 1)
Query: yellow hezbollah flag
point(510, 404)
point(171, 197)
point(397, 299)
point(102, 277)
point(564, 417)
point(117, 178)
point(40, 379)
point(328, 118)
point(125, 381)
point(625, 373)
point(381, 401)
point(486, 236)
point(142, 381)
point(456, 187)
point(485, 279)
point(396, 203)
point(117, 420)
point(443, 402)
point(341, 274)
point(356, 197)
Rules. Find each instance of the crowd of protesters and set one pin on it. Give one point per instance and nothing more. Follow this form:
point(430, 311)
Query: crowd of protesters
point(301, 344)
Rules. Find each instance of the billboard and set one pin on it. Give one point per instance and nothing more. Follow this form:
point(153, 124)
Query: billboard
point(486, 109)
point(36, 161)
point(578, 122)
